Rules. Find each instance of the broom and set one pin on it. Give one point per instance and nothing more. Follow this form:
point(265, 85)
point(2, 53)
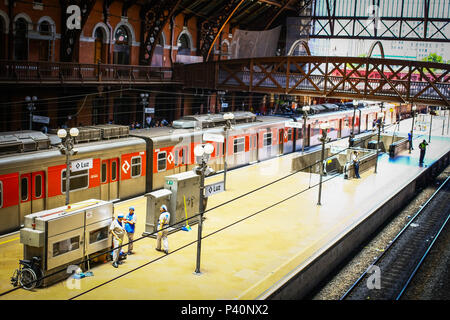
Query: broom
point(187, 227)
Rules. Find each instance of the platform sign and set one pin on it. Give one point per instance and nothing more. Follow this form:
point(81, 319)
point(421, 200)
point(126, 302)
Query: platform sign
point(79, 165)
point(213, 137)
point(149, 110)
point(293, 124)
point(41, 119)
point(214, 188)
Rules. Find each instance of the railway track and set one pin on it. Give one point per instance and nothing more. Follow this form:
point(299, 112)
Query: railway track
point(390, 274)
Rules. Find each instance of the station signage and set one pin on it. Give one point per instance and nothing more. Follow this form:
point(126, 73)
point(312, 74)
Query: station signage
point(41, 119)
point(149, 110)
point(292, 124)
point(214, 188)
point(213, 137)
point(79, 165)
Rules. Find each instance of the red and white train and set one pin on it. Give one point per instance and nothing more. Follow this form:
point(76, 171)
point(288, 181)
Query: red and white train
point(130, 166)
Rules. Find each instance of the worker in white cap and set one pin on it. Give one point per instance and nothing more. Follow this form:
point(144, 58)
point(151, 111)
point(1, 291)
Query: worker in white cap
point(164, 219)
point(117, 229)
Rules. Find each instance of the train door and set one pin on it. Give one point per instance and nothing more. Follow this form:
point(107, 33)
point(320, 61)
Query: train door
point(109, 179)
point(253, 148)
point(32, 193)
point(280, 141)
point(24, 196)
point(180, 159)
point(38, 191)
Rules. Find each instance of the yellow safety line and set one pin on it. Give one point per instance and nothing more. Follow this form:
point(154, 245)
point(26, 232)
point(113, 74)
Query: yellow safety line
point(9, 240)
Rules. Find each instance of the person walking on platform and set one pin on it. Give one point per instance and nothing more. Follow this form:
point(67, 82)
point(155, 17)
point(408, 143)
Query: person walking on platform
point(130, 224)
point(355, 161)
point(164, 219)
point(351, 140)
point(410, 140)
point(423, 148)
point(117, 230)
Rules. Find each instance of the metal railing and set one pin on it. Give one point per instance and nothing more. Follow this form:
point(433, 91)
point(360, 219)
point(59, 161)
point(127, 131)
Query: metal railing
point(63, 72)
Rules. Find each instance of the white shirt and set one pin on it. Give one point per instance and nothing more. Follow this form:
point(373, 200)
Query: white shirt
point(164, 219)
point(118, 229)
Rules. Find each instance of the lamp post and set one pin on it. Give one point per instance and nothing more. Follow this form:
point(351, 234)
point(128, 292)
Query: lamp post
point(379, 124)
point(66, 148)
point(228, 117)
point(355, 105)
point(144, 101)
point(324, 127)
point(30, 106)
point(413, 111)
point(305, 110)
point(432, 112)
point(202, 154)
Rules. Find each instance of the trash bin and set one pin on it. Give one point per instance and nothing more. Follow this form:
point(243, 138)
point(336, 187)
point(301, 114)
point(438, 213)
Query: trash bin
point(372, 145)
point(392, 151)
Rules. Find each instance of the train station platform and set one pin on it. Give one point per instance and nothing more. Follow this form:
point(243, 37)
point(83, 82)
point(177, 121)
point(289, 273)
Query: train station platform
point(263, 245)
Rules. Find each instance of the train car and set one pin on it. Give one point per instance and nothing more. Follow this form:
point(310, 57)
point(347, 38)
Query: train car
point(171, 150)
point(35, 181)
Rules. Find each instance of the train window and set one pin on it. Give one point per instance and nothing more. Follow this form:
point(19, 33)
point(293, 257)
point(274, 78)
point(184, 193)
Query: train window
point(289, 137)
point(24, 189)
point(162, 161)
point(179, 157)
point(267, 139)
point(78, 180)
point(1, 194)
point(114, 170)
point(98, 235)
point(66, 245)
point(37, 186)
point(135, 167)
point(239, 145)
point(104, 172)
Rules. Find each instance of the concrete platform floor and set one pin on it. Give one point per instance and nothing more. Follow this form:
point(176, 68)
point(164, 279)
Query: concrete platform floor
point(243, 256)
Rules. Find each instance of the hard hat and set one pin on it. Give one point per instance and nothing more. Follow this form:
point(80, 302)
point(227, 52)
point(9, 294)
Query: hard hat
point(131, 208)
point(120, 216)
point(164, 207)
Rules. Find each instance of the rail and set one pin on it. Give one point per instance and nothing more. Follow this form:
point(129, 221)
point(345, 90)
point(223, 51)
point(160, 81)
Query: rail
point(66, 72)
point(394, 241)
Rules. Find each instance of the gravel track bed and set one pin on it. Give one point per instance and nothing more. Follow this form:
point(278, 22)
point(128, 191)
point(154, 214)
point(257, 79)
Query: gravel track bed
point(339, 282)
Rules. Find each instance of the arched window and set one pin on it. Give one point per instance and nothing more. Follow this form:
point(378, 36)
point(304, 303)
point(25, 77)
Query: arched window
point(224, 51)
point(122, 46)
point(184, 46)
point(45, 29)
point(100, 50)
point(21, 39)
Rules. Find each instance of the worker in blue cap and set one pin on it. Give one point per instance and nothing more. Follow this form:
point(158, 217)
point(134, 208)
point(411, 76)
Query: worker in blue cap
point(117, 229)
point(130, 225)
point(163, 222)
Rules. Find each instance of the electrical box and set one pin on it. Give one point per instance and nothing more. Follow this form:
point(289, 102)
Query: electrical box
point(155, 200)
point(33, 238)
point(185, 188)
